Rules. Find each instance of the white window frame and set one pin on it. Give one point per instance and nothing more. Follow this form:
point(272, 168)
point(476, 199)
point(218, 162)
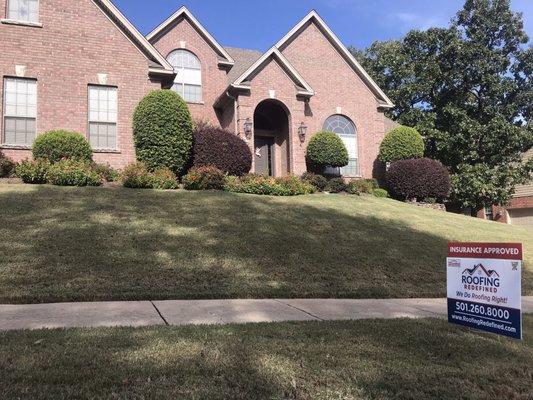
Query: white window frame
point(180, 82)
point(7, 115)
point(28, 20)
point(353, 157)
point(102, 121)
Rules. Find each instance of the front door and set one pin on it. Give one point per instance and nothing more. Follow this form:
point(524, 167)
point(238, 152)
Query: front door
point(263, 154)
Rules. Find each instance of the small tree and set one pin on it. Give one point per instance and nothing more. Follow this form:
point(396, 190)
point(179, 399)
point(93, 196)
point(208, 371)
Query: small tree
point(402, 143)
point(162, 129)
point(326, 149)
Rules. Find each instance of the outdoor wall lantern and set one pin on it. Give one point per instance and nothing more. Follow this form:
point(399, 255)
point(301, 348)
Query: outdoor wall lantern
point(302, 131)
point(248, 128)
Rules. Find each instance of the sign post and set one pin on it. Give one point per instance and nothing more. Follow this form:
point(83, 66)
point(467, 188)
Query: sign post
point(484, 287)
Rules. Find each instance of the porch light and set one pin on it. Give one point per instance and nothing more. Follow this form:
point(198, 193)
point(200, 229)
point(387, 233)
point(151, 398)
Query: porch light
point(302, 131)
point(248, 128)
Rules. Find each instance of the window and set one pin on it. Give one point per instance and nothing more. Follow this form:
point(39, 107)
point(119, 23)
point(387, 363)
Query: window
point(103, 117)
point(23, 10)
point(489, 214)
point(188, 82)
point(345, 128)
point(20, 111)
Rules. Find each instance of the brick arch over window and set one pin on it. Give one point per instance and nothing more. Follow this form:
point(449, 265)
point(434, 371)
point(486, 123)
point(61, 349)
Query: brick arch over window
point(345, 128)
point(188, 81)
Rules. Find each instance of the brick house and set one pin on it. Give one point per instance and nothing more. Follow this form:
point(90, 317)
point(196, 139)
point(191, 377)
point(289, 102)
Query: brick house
point(83, 66)
point(520, 210)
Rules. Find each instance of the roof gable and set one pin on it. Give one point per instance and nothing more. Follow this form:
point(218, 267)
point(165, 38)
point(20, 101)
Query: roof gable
point(313, 17)
point(224, 57)
point(303, 88)
point(157, 63)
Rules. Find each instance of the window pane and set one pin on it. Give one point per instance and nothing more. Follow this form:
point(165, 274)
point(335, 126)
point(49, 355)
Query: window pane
point(20, 98)
point(103, 135)
point(192, 77)
point(19, 131)
point(23, 10)
point(193, 94)
point(102, 104)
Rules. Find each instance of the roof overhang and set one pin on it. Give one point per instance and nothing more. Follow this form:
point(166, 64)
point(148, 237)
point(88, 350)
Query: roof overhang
point(224, 59)
point(383, 100)
point(136, 38)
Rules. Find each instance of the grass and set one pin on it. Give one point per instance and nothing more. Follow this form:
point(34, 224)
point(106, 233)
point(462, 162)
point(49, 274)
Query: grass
point(84, 244)
point(397, 359)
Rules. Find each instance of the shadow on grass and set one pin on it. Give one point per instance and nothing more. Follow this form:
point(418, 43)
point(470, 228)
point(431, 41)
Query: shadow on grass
point(399, 359)
point(69, 244)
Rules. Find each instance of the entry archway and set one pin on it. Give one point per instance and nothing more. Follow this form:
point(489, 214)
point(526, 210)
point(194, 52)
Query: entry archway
point(272, 139)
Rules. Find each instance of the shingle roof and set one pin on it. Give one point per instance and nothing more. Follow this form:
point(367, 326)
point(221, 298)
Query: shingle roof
point(244, 59)
point(525, 190)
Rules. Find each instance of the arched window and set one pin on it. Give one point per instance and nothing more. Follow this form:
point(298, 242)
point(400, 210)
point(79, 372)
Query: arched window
point(345, 128)
point(188, 82)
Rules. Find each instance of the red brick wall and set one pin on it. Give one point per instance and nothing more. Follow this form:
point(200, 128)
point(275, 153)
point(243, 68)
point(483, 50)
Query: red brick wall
point(501, 214)
point(77, 42)
point(213, 78)
point(337, 85)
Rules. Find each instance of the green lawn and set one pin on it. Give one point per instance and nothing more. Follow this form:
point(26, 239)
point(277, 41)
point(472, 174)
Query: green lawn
point(77, 244)
point(397, 359)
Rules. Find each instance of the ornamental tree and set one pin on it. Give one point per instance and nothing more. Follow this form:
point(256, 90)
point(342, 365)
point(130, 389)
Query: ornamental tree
point(162, 129)
point(326, 149)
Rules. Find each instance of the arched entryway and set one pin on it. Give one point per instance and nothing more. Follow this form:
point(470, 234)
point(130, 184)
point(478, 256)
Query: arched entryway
point(271, 139)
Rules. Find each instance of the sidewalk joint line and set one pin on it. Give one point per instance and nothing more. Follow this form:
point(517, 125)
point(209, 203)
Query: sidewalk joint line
point(299, 309)
point(159, 312)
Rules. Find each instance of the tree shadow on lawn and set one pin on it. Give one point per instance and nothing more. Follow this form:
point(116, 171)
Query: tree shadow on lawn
point(400, 359)
point(69, 244)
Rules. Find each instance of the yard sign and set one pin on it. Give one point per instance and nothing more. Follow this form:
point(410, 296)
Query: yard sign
point(484, 287)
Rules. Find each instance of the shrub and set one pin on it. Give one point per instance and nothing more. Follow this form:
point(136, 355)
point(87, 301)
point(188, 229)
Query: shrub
point(72, 172)
point(204, 178)
point(136, 176)
point(358, 186)
point(265, 185)
point(418, 179)
point(336, 185)
point(380, 193)
point(319, 182)
point(401, 143)
point(7, 166)
point(33, 171)
point(326, 149)
point(164, 179)
point(57, 145)
point(107, 172)
point(162, 129)
point(221, 149)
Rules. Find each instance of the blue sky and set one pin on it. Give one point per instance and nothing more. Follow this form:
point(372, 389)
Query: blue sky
point(259, 24)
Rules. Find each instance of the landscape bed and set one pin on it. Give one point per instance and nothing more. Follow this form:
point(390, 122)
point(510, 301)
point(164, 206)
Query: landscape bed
point(84, 244)
point(395, 359)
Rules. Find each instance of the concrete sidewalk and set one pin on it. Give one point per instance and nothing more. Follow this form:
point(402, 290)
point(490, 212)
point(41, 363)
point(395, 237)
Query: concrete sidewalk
point(186, 312)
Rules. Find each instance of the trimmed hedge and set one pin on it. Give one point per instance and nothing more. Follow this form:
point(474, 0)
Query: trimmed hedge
point(326, 149)
point(7, 166)
point(319, 182)
point(264, 185)
point(419, 179)
point(33, 171)
point(72, 172)
point(204, 178)
point(164, 179)
point(57, 145)
point(358, 186)
point(221, 149)
point(162, 130)
point(401, 143)
point(382, 193)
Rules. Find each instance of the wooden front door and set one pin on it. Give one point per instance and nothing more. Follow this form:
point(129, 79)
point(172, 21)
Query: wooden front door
point(264, 155)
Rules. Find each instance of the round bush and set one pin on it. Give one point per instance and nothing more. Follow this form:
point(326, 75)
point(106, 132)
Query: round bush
point(164, 179)
point(336, 185)
point(326, 149)
point(56, 145)
point(401, 143)
point(221, 149)
point(7, 166)
point(162, 129)
point(136, 176)
point(33, 171)
point(204, 178)
point(418, 179)
point(380, 193)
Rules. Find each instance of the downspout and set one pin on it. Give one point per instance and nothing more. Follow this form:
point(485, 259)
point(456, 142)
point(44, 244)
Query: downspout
point(235, 111)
